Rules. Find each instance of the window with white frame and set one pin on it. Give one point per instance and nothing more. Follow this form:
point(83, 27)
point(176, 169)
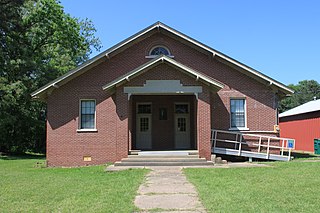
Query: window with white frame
point(159, 50)
point(87, 114)
point(238, 113)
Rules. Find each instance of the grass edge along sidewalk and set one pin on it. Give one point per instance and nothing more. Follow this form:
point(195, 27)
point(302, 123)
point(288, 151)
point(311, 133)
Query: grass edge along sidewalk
point(25, 188)
point(282, 187)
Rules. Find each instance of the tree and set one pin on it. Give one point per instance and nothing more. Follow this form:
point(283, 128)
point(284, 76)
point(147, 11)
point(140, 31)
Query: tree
point(39, 42)
point(304, 91)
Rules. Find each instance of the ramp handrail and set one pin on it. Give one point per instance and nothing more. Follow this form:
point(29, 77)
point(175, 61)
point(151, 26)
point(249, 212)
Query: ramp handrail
point(287, 144)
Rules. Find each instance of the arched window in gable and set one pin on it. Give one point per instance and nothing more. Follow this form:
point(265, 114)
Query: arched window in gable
point(159, 50)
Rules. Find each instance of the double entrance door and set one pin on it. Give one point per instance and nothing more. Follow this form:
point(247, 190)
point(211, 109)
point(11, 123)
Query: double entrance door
point(163, 128)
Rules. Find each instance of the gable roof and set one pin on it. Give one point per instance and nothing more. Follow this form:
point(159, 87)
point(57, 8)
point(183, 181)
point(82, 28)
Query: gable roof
point(158, 26)
point(167, 60)
point(310, 106)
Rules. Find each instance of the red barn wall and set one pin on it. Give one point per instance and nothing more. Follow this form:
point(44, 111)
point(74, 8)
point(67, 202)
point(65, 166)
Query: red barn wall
point(304, 128)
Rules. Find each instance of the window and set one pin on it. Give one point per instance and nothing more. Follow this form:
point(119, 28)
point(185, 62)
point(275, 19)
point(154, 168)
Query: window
point(159, 50)
point(87, 114)
point(144, 124)
point(181, 108)
point(144, 108)
point(163, 114)
point(238, 115)
point(182, 125)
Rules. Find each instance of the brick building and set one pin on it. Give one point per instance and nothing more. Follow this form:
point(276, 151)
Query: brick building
point(157, 90)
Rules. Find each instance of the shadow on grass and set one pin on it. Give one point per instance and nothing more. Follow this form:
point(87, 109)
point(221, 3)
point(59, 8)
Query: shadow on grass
point(298, 155)
point(5, 156)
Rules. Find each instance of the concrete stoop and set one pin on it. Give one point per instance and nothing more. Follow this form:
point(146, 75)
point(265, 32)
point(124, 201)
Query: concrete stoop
point(164, 158)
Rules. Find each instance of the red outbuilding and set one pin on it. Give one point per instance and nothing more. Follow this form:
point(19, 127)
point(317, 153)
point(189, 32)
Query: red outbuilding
point(303, 124)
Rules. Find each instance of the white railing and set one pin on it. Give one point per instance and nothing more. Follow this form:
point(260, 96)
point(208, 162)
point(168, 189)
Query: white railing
point(263, 143)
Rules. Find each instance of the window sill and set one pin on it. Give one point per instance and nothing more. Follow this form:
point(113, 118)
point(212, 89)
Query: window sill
point(154, 56)
point(87, 130)
point(239, 129)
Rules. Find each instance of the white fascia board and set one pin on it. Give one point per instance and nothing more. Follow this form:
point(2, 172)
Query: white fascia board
point(67, 75)
point(254, 72)
point(187, 38)
point(144, 31)
point(94, 59)
point(225, 57)
point(163, 87)
point(157, 60)
point(130, 74)
point(193, 72)
point(131, 38)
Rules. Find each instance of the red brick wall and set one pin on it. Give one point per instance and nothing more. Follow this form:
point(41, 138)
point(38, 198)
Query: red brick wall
point(66, 147)
point(203, 124)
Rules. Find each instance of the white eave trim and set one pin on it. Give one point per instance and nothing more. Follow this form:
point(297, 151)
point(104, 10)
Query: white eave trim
point(252, 71)
point(161, 87)
point(256, 73)
point(55, 82)
point(158, 25)
point(94, 59)
point(162, 59)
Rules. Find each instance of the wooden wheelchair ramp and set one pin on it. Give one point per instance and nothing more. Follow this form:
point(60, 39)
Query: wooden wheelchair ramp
point(251, 145)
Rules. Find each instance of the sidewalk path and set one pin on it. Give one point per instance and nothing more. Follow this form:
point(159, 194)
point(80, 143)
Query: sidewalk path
point(167, 190)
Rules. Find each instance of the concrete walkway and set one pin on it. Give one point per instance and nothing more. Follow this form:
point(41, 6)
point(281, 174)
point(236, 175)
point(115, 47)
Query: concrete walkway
point(167, 190)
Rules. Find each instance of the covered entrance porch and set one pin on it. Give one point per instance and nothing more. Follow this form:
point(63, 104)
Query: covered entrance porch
point(163, 122)
point(163, 105)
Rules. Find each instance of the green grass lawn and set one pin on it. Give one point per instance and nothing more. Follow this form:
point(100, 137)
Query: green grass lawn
point(284, 187)
point(24, 188)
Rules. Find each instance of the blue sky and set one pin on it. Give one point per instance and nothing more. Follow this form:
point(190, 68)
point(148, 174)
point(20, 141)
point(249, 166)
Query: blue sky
point(280, 38)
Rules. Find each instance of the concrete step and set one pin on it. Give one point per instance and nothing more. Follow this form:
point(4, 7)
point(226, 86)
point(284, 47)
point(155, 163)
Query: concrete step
point(134, 152)
point(163, 159)
point(164, 153)
point(163, 156)
point(146, 163)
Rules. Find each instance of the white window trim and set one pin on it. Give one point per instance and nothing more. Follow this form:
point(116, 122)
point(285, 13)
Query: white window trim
point(87, 130)
point(154, 56)
point(95, 117)
point(239, 129)
point(245, 128)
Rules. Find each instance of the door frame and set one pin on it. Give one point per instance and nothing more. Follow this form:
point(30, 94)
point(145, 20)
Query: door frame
point(137, 118)
point(188, 123)
point(153, 100)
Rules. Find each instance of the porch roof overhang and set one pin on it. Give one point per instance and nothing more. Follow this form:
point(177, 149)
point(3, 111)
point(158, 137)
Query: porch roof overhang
point(213, 84)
